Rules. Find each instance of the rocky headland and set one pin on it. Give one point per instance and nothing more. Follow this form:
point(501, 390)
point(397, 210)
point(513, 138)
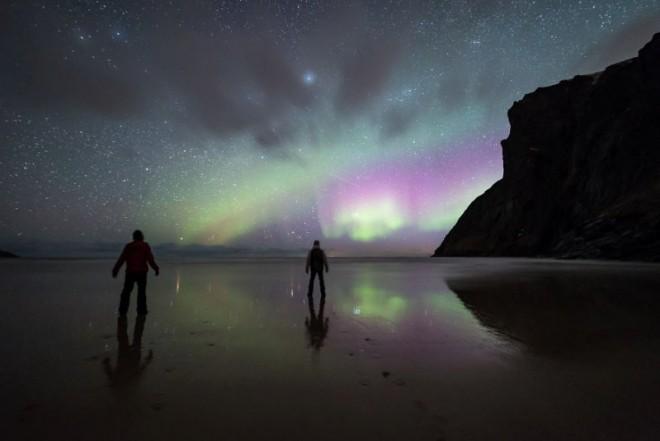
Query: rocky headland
point(581, 172)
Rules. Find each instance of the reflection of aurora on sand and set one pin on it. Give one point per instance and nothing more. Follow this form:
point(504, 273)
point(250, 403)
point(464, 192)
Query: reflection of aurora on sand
point(370, 301)
point(234, 346)
point(221, 297)
point(381, 303)
point(222, 308)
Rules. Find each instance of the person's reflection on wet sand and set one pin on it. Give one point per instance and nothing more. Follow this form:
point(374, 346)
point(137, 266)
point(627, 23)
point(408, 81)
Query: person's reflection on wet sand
point(129, 366)
point(317, 325)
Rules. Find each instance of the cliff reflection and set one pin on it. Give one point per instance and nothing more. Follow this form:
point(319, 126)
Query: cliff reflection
point(563, 312)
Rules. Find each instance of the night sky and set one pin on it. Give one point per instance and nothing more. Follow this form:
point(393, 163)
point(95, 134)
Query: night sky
point(368, 125)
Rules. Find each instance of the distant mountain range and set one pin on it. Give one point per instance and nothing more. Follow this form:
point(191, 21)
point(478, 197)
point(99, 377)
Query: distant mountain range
point(166, 250)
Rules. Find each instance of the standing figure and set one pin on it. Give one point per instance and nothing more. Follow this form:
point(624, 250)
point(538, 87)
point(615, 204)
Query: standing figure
point(317, 261)
point(317, 325)
point(137, 255)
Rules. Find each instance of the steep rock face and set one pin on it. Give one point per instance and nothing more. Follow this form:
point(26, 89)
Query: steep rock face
point(581, 172)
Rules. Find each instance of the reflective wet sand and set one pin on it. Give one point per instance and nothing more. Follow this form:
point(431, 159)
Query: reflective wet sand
point(442, 349)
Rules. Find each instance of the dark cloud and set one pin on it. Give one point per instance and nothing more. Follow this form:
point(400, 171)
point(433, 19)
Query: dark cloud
point(364, 74)
point(396, 121)
point(84, 87)
point(488, 84)
point(622, 45)
point(233, 86)
point(60, 70)
point(271, 137)
point(452, 90)
point(493, 85)
point(234, 83)
point(474, 10)
point(274, 75)
point(246, 84)
point(223, 84)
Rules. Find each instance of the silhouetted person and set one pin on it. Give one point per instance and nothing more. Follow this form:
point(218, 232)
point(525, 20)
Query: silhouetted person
point(317, 326)
point(129, 365)
point(137, 255)
point(316, 261)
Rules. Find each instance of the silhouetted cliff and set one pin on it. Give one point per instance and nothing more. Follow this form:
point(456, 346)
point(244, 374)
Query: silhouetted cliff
point(581, 172)
point(6, 254)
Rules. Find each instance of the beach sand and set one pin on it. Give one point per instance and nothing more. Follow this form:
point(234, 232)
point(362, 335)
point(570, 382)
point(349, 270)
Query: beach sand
point(414, 349)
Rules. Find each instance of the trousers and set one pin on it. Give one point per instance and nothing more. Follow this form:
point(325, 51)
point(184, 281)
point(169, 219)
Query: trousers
point(130, 280)
point(312, 276)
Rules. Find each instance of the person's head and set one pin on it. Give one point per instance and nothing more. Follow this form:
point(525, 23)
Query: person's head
point(137, 235)
point(317, 244)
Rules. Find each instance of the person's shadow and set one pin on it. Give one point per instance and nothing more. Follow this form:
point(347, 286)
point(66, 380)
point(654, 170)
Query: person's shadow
point(129, 366)
point(317, 325)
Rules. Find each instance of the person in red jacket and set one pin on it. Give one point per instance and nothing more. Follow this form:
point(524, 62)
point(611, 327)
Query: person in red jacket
point(136, 255)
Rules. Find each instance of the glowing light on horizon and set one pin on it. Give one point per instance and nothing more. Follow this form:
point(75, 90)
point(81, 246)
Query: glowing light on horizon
point(367, 220)
point(363, 204)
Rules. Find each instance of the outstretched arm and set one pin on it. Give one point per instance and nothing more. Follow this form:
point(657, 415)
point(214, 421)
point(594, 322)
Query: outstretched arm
point(120, 262)
point(152, 262)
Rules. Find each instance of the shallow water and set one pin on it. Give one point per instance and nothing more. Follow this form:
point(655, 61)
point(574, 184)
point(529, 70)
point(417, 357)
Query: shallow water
point(419, 349)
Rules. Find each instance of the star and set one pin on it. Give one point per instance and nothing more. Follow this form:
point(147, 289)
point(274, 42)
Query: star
point(309, 77)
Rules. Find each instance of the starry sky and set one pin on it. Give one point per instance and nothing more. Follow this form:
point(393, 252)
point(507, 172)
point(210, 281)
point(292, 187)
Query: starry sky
point(267, 124)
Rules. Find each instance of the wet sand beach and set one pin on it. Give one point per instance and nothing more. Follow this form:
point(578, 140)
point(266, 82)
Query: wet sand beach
point(413, 349)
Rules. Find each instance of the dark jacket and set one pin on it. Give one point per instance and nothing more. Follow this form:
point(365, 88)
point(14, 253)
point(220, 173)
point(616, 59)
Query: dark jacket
point(316, 260)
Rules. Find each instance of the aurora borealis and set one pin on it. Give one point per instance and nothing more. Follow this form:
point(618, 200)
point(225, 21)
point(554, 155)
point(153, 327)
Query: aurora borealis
point(368, 125)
